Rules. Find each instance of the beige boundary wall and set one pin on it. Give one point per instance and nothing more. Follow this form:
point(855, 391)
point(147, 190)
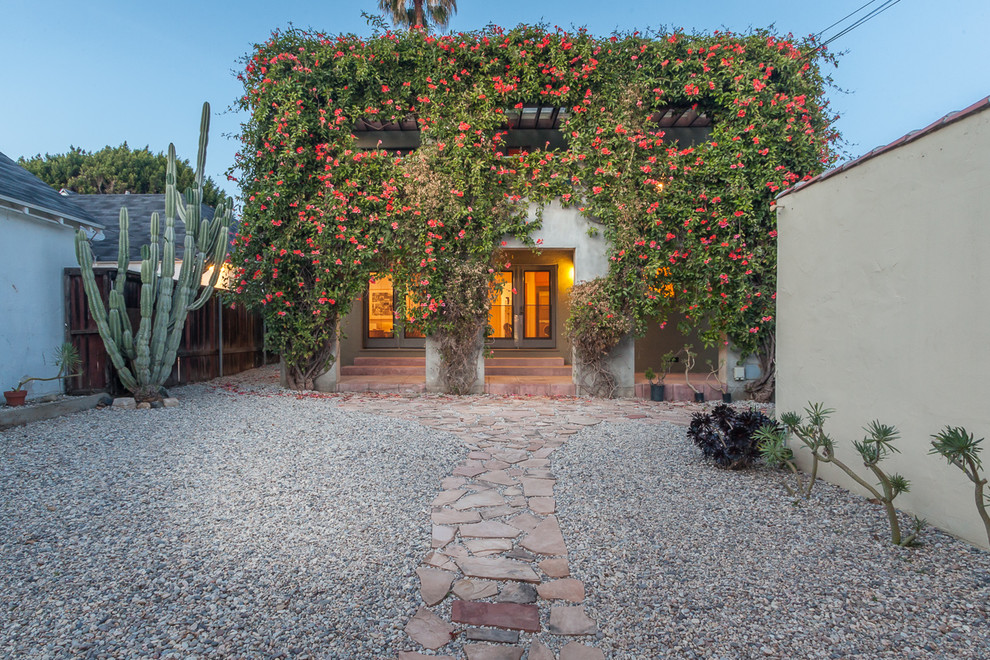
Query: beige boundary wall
point(883, 307)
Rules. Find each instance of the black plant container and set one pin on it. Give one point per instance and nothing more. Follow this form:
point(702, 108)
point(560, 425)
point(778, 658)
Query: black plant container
point(699, 397)
point(726, 397)
point(656, 392)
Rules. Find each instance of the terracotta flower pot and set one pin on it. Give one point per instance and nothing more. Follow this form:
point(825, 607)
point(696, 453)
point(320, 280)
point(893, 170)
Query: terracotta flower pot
point(15, 397)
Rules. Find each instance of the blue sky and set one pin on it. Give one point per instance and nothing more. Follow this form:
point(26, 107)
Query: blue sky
point(102, 72)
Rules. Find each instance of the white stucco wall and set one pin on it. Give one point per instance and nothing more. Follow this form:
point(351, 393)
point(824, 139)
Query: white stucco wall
point(568, 229)
point(33, 253)
point(883, 307)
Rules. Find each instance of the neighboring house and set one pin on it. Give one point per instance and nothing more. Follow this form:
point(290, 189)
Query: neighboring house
point(38, 227)
point(106, 209)
point(883, 304)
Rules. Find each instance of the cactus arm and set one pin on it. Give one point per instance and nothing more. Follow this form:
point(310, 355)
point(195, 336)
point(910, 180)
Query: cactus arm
point(165, 299)
point(84, 255)
point(123, 251)
point(188, 280)
point(204, 139)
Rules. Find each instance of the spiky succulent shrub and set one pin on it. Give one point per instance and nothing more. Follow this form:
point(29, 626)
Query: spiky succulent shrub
point(875, 446)
point(727, 437)
point(962, 449)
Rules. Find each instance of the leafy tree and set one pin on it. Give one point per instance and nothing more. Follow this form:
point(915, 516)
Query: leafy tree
point(114, 170)
point(419, 13)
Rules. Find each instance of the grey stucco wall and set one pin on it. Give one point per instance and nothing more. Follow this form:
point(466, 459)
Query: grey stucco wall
point(33, 254)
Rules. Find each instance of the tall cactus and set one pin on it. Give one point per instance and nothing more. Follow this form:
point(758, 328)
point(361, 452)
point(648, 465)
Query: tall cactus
point(144, 360)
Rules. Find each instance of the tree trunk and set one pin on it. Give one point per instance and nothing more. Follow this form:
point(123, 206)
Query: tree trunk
point(418, 4)
point(763, 389)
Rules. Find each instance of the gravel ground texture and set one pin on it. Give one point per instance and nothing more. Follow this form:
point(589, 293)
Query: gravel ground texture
point(231, 526)
point(683, 560)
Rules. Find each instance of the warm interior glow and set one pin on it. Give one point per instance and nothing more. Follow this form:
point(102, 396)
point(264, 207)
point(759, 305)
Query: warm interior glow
point(381, 320)
point(500, 316)
point(536, 317)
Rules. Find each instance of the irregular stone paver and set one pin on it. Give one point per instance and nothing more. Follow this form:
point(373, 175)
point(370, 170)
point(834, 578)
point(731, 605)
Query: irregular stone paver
point(537, 487)
point(497, 569)
point(467, 471)
point(512, 616)
point(451, 517)
point(429, 630)
point(578, 651)
point(498, 477)
point(566, 589)
point(571, 621)
point(517, 592)
point(440, 560)
point(434, 584)
point(525, 522)
point(475, 589)
point(542, 505)
point(492, 635)
point(485, 547)
point(486, 652)
point(540, 651)
point(556, 567)
point(545, 538)
point(443, 535)
point(485, 498)
point(511, 455)
point(448, 497)
point(412, 655)
point(489, 529)
point(498, 511)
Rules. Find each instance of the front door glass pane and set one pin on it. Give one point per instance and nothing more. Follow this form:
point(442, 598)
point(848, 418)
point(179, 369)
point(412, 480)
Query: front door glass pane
point(500, 316)
point(381, 321)
point(536, 315)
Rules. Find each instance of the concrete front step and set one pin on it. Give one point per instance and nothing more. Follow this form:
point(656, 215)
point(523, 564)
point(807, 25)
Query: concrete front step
point(384, 370)
point(549, 372)
point(397, 361)
point(524, 362)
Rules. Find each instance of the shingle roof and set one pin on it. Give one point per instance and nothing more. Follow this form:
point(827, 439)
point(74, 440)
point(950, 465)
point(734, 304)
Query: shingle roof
point(952, 117)
point(19, 186)
point(106, 209)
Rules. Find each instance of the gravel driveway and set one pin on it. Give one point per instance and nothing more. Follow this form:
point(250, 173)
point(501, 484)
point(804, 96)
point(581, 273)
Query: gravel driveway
point(232, 526)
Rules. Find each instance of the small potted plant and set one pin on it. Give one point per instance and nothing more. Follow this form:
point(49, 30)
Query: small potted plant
point(714, 373)
point(689, 358)
point(65, 357)
point(657, 388)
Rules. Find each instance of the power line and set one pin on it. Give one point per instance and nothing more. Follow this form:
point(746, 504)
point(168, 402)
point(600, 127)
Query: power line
point(873, 14)
point(852, 13)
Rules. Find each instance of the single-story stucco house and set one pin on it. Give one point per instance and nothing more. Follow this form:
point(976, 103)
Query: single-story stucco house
point(38, 227)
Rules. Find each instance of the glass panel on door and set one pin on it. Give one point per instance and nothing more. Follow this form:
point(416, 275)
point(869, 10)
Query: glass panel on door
point(500, 316)
point(381, 320)
point(381, 330)
point(536, 312)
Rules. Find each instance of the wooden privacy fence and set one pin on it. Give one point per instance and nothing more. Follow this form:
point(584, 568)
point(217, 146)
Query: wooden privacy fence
point(217, 339)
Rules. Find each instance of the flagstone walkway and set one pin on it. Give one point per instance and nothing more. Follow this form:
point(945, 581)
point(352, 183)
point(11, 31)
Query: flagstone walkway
point(496, 573)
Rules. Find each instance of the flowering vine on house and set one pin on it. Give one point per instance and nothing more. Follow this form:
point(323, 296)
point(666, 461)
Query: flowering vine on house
point(322, 213)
